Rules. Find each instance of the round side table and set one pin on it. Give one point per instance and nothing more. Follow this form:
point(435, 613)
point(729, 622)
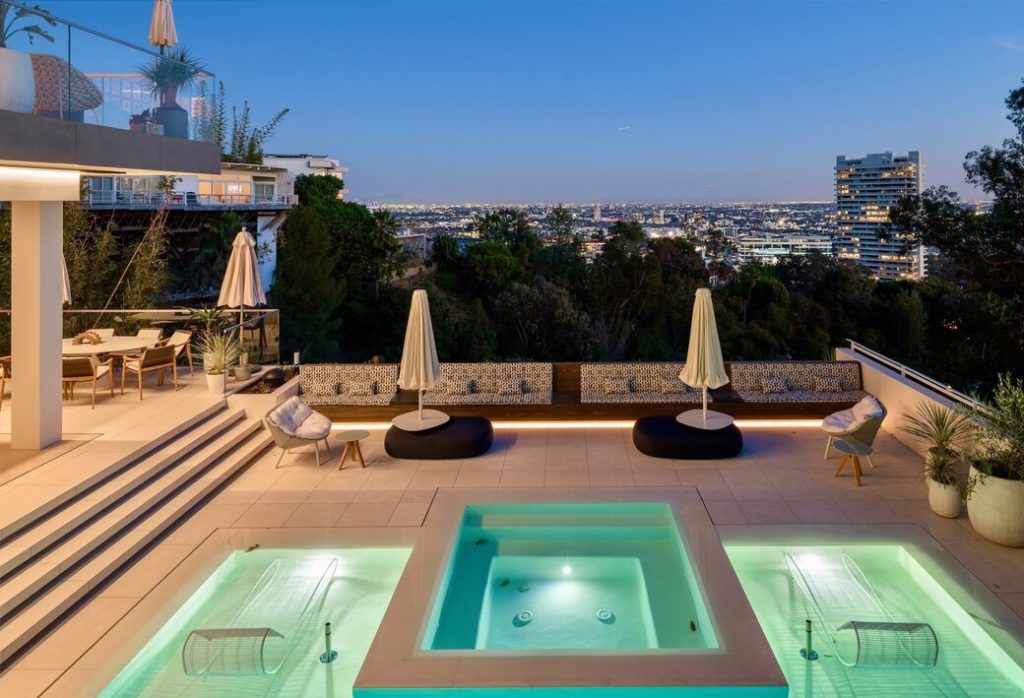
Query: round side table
point(351, 440)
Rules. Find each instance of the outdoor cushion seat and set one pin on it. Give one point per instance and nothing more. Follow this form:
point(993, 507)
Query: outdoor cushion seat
point(860, 423)
point(664, 437)
point(293, 423)
point(459, 437)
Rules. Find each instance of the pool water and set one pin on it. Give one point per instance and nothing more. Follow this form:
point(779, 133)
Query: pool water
point(526, 577)
point(353, 598)
point(969, 661)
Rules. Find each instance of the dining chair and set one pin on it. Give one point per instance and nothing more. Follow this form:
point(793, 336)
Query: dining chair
point(156, 359)
point(85, 369)
point(5, 375)
point(153, 333)
point(181, 340)
point(104, 332)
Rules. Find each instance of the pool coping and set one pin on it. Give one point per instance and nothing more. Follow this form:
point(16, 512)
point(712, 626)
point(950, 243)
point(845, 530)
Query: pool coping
point(999, 621)
point(101, 664)
point(396, 661)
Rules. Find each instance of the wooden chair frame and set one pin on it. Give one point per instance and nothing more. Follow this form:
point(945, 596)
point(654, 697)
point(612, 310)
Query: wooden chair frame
point(141, 368)
point(68, 382)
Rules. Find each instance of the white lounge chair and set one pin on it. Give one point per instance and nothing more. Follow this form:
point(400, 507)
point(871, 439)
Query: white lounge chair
point(293, 424)
point(859, 423)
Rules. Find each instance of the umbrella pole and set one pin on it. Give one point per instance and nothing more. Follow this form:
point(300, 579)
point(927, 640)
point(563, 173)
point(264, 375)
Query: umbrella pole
point(421, 405)
point(704, 404)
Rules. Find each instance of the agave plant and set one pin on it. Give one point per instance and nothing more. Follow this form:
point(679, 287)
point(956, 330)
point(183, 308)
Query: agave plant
point(947, 433)
point(220, 350)
point(169, 74)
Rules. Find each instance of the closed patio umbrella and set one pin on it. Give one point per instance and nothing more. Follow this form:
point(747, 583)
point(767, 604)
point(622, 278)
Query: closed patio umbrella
point(242, 286)
point(420, 369)
point(704, 369)
point(161, 25)
point(65, 290)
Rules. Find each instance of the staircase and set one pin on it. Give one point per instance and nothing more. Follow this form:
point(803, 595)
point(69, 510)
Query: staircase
point(58, 554)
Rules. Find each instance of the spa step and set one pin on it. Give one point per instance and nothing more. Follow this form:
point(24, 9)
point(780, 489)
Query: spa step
point(47, 602)
point(14, 520)
point(34, 540)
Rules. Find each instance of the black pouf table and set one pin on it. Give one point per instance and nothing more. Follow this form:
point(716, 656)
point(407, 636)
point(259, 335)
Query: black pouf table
point(664, 437)
point(459, 437)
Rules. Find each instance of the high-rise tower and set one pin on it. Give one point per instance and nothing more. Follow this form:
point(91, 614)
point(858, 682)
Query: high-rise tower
point(866, 189)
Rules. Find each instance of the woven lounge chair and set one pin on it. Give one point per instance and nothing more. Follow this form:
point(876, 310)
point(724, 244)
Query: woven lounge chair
point(860, 423)
point(293, 424)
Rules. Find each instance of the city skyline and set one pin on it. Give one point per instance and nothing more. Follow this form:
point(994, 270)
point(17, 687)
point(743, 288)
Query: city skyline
point(522, 102)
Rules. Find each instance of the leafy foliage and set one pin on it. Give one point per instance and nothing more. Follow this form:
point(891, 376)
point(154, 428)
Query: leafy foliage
point(10, 16)
point(244, 142)
point(169, 74)
point(1000, 430)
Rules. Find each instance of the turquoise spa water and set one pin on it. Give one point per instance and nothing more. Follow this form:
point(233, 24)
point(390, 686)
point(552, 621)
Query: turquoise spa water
point(970, 662)
point(352, 596)
point(592, 577)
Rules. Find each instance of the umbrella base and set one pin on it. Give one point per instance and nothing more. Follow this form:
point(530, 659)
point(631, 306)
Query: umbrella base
point(695, 419)
point(410, 421)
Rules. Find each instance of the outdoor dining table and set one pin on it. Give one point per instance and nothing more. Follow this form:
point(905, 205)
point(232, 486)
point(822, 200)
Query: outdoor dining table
point(110, 345)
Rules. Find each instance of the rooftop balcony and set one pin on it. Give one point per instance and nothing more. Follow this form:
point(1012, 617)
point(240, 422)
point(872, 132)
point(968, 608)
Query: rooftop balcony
point(185, 201)
point(82, 100)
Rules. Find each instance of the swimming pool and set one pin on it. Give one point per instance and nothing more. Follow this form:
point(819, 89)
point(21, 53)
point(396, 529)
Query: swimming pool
point(927, 634)
point(291, 592)
point(569, 576)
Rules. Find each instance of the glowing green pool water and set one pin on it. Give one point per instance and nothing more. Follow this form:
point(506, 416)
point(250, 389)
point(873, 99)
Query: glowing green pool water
point(354, 603)
point(970, 662)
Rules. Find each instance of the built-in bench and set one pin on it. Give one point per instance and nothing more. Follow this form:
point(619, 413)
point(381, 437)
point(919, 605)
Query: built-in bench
point(635, 383)
point(796, 381)
point(521, 383)
point(348, 384)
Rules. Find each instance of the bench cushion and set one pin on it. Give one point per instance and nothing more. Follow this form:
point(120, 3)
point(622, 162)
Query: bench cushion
point(512, 383)
point(348, 384)
point(801, 378)
point(633, 382)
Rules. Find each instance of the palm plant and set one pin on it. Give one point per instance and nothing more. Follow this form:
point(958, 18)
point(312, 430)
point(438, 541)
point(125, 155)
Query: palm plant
point(172, 73)
point(11, 15)
point(947, 434)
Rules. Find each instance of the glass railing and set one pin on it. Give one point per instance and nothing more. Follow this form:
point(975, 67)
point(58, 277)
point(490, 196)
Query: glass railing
point(156, 199)
point(259, 329)
point(73, 73)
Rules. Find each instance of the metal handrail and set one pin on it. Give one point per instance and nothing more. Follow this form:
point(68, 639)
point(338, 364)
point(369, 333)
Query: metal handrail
point(914, 375)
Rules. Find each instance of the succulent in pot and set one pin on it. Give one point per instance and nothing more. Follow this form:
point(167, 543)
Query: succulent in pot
point(945, 433)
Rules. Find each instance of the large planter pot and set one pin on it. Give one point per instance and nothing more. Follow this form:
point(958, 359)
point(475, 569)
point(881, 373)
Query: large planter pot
point(944, 499)
point(996, 509)
point(217, 383)
point(174, 119)
point(17, 81)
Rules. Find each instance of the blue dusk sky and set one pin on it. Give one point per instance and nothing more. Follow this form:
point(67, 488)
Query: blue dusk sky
point(514, 101)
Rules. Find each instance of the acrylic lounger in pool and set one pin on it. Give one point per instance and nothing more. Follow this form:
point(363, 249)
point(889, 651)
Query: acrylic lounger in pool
point(263, 632)
point(844, 600)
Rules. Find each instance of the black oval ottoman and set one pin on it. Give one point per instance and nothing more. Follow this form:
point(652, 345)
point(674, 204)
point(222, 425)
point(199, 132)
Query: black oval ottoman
point(664, 437)
point(459, 437)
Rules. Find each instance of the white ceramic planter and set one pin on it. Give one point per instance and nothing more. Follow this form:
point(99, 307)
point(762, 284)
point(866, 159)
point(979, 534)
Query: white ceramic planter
point(216, 383)
point(996, 510)
point(17, 81)
point(944, 499)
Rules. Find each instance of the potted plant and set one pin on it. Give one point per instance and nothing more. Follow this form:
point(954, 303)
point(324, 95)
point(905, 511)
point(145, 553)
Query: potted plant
point(222, 351)
point(945, 433)
point(167, 76)
point(995, 503)
point(242, 370)
point(17, 79)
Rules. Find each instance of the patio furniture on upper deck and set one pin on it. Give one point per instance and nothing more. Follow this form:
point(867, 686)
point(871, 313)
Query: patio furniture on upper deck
point(5, 375)
point(156, 359)
point(181, 340)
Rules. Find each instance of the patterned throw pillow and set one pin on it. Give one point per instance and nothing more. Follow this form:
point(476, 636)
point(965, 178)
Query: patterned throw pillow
point(673, 387)
point(827, 384)
point(617, 386)
point(458, 387)
point(510, 386)
point(772, 384)
point(319, 389)
point(361, 388)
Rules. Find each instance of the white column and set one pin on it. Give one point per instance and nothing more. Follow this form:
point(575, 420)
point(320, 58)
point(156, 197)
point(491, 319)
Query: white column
point(37, 230)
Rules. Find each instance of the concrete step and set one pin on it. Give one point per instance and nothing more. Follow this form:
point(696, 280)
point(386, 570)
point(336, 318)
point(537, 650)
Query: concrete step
point(45, 601)
point(47, 531)
point(18, 588)
point(16, 519)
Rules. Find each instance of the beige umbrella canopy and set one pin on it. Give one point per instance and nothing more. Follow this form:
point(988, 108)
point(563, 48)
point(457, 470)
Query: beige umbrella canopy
point(420, 370)
point(242, 286)
point(705, 368)
point(161, 25)
point(65, 290)
point(52, 94)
